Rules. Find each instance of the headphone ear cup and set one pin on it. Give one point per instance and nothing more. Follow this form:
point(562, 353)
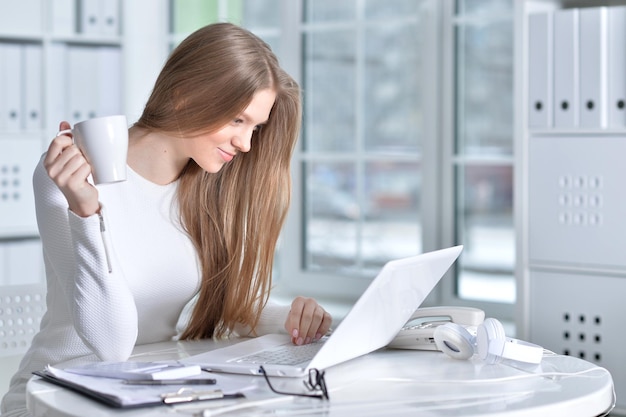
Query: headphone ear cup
point(454, 340)
point(490, 340)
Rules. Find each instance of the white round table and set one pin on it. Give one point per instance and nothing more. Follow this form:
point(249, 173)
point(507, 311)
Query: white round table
point(384, 383)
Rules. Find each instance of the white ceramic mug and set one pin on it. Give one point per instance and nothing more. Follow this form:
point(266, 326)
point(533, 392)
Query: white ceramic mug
point(104, 142)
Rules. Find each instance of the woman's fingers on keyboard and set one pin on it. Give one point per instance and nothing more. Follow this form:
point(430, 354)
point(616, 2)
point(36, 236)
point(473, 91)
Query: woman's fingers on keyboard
point(307, 321)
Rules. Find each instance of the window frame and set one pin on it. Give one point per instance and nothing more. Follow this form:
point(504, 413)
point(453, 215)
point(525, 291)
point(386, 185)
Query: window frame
point(439, 164)
point(292, 277)
point(451, 161)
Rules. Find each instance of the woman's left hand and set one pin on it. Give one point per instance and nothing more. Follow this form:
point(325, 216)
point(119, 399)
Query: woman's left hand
point(307, 321)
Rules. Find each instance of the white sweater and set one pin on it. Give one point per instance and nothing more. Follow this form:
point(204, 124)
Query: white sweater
point(104, 299)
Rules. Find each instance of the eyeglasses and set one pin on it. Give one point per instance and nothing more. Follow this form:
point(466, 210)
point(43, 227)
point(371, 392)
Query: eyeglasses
point(315, 383)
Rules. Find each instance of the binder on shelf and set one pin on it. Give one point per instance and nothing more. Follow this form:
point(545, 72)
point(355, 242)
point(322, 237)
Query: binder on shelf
point(63, 17)
point(10, 87)
point(109, 16)
point(33, 103)
point(565, 47)
point(3, 101)
point(82, 83)
point(617, 67)
point(593, 67)
point(57, 87)
point(540, 70)
point(89, 17)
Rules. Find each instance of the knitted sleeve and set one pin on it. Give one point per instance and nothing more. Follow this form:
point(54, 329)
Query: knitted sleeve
point(102, 306)
point(272, 320)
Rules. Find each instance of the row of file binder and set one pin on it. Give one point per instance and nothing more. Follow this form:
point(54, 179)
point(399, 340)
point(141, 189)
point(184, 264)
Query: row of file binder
point(89, 17)
point(577, 68)
point(86, 82)
point(66, 17)
point(20, 87)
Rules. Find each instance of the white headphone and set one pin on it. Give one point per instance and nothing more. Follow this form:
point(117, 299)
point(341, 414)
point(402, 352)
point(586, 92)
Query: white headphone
point(489, 342)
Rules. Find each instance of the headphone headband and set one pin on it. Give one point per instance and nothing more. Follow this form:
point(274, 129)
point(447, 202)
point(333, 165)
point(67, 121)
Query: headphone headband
point(489, 342)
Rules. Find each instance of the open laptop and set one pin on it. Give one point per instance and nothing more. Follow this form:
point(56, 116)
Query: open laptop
point(373, 322)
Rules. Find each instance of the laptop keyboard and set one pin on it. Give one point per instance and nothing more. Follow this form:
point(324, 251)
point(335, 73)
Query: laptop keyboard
point(283, 355)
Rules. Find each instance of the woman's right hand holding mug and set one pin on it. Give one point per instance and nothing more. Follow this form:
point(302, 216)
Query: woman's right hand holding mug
point(68, 168)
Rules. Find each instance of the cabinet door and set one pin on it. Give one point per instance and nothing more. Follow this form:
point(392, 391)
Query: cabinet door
point(18, 158)
point(10, 87)
point(576, 201)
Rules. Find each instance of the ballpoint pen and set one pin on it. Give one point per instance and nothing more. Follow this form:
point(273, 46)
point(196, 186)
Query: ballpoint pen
point(185, 395)
point(204, 381)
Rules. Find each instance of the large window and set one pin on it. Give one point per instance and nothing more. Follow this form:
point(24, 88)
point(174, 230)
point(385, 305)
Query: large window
point(407, 141)
point(361, 156)
point(407, 146)
point(370, 116)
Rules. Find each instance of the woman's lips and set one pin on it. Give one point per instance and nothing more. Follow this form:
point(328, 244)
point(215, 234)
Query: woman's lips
point(225, 155)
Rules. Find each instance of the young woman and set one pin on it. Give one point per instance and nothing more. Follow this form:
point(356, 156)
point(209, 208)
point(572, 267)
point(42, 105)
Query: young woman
point(194, 227)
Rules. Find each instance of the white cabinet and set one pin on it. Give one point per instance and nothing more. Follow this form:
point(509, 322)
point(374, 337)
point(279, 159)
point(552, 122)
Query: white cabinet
point(53, 67)
point(570, 199)
point(60, 60)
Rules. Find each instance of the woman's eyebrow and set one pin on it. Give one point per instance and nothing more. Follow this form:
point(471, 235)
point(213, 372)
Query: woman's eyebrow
point(249, 120)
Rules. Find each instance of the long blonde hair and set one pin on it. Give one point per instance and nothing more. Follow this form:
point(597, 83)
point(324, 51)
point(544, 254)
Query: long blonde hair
point(234, 216)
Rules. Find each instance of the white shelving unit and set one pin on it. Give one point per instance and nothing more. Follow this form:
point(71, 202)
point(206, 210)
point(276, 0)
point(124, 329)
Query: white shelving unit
point(59, 60)
point(77, 59)
point(570, 203)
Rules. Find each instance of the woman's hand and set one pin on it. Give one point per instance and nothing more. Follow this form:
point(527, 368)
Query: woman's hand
point(307, 321)
point(69, 170)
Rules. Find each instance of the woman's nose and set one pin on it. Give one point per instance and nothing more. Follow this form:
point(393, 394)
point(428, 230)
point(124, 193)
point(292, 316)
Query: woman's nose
point(243, 141)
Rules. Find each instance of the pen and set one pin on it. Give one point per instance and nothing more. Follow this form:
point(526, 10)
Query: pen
point(204, 381)
point(185, 395)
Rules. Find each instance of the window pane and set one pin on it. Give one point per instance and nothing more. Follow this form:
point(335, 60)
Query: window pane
point(341, 233)
point(261, 13)
point(363, 124)
point(485, 205)
point(391, 97)
point(465, 7)
point(262, 17)
point(331, 212)
point(484, 127)
point(328, 10)
point(391, 210)
point(376, 9)
point(484, 88)
point(329, 69)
